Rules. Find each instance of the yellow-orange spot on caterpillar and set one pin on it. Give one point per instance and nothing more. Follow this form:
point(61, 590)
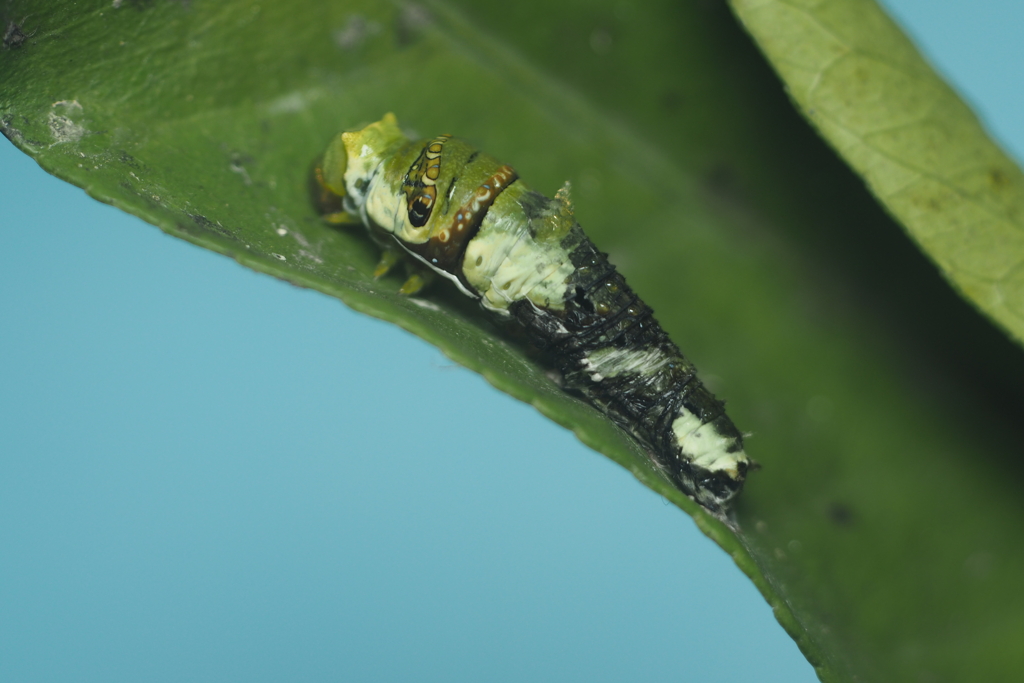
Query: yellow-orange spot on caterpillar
point(443, 236)
point(472, 212)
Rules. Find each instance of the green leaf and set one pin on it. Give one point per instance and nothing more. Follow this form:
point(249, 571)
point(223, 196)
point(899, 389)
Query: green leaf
point(923, 153)
point(883, 527)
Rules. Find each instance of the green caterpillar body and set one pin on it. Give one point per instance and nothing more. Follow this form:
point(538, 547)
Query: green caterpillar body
point(468, 218)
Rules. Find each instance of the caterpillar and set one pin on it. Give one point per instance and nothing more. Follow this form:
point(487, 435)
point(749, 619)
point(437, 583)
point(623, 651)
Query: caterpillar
point(465, 216)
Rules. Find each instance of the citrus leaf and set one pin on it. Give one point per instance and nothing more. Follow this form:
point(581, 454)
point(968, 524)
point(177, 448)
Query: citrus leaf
point(883, 526)
point(923, 152)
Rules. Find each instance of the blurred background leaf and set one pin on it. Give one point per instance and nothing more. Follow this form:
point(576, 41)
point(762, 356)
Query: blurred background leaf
point(922, 151)
point(883, 527)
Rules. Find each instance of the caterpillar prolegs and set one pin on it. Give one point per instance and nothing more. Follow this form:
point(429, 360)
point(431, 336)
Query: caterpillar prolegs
point(468, 218)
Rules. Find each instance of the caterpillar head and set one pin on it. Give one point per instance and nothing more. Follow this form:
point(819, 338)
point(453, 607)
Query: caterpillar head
point(352, 157)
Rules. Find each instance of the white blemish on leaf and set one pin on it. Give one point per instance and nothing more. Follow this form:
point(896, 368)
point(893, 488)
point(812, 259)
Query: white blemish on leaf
point(294, 102)
point(306, 251)
point(279, 257)
point(68, 105)
point(63, 129)
point(236, 167)
point(355, 32)
point(423, 303)
point(12, 133)
point(288, 104)
point(412, 20)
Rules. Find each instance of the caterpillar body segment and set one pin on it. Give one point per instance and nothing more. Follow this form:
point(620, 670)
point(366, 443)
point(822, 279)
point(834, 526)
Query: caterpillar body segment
point(470, 219)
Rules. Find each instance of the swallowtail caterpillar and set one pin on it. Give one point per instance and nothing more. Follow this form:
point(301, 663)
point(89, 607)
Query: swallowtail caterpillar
point(467, 217)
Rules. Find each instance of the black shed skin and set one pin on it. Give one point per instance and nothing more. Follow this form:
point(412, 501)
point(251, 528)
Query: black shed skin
point(602, 311)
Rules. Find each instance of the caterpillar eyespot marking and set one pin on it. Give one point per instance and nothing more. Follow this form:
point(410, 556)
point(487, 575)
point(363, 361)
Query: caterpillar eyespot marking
point(525, 259)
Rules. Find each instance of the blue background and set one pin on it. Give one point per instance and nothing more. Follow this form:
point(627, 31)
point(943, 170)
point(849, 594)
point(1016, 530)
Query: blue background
point(203, 476)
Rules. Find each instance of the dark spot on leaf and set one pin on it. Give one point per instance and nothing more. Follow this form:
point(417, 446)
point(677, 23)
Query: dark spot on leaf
point(723, 183)
point(840, 514)
point(997, 178)
point(10, 132)
point(721, 179)
point(411, 23)
point(241, 158)
point(129, 161)
point(208, 226)
point(14, 36)
point(240, 163)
